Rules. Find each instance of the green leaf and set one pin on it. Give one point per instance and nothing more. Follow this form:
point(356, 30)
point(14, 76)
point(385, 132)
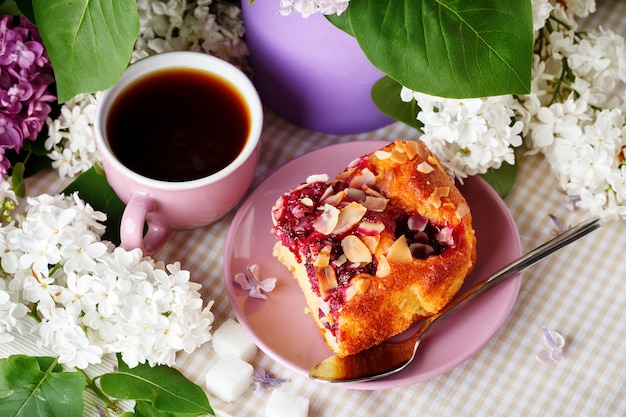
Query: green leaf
point(17, 179)
point(501, 179)
point(342, 21)
point(386, 96)
point(449, 48)
point(166, 388)
point(93, 188)
point(38, 387)
point(9, 7)
point(146, 409)
point(89, 42)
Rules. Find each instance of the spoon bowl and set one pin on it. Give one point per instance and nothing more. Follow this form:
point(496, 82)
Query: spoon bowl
point(389, 357)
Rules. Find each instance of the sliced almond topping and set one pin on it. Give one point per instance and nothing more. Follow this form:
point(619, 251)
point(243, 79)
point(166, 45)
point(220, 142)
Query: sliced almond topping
point(371, 242)
point(349, 216)
point(363, 285)
point(359, 286)
point(382, 155)
point(372, 192)
point(411, 149)
point(363, 178)
point(355, 250)
point(323, 258)
point(327, 280)
point(462, 210)
point(355, 194)
point(368, 228)
point(383, 269)
point(335, 199)
point(399, 146)
point(306, 201)
point(327, 221)
point(354, 162)
point(399, 251)
point(377, 204)
point(435, 197)
point(431, 159)
point(327, 192)
point(317, 178)
point(340, 260)
point(399, 157)
point(425, 168)
point(345, 174)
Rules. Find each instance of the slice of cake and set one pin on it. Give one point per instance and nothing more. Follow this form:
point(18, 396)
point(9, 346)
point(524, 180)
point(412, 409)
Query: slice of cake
point(386, 243)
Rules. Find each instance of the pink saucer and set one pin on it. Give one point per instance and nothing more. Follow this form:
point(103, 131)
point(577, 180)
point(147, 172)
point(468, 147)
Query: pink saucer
point(283, 331)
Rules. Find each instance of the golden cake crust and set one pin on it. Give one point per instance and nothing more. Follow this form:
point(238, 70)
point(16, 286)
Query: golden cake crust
point(404, 280)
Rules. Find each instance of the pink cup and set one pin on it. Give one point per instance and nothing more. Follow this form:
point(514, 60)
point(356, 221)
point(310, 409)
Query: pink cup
point(165, 206)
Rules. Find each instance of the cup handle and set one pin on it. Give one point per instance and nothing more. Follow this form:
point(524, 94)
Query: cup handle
point(140, 210)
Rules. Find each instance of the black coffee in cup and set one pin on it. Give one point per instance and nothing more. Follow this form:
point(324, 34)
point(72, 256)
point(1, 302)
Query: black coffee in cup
point(178, 124)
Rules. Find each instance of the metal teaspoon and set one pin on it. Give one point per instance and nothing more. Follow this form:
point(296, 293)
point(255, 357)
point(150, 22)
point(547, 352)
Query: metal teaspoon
point(388, 358)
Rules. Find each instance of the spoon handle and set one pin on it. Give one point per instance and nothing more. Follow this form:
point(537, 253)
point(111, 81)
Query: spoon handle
point(512, 270)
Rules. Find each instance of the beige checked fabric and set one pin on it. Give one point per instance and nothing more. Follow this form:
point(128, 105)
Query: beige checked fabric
point(579, 292)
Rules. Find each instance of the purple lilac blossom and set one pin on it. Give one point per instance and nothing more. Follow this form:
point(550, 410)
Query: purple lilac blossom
point(25, 77)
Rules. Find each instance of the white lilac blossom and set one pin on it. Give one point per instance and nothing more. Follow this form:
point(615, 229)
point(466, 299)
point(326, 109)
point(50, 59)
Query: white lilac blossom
point(208, 26)
point(554, 347)
point(468, 135)
point(570, 115)
point(250, 281)
point(309, 7)
point(89, 297)
point(71, 139)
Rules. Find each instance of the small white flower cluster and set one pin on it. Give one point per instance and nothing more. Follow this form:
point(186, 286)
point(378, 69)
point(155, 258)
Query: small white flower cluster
point(213, 27)
point(571, 116)
point(309, 7)
point(469, 136)
point(90, 298)
point(71, 139)
point(209, 26)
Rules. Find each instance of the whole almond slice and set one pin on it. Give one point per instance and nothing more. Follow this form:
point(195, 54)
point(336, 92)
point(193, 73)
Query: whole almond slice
point(327, 280)
point(367, 228)
point(382, 155)
point(317, 178)
point(327, 221)
point(349, 216)
point(363, 178)
point(323, 258)
point(425, 168)
point(412, 149)
point(336, 198)
point(438, 193)
point(355, 250)
point(377, 204)
point(399, 251)
point(355, 194)
point(371, 242)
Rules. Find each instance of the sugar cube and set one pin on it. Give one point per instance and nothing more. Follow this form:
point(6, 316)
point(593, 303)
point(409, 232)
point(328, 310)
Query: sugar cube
point(284, 404)
point(230, 339)
point(229, 378)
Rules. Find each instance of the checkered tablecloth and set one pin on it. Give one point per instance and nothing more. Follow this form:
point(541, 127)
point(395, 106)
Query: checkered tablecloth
point(578, 292)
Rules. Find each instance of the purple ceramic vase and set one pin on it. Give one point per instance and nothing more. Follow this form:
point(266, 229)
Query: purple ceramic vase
point(309, 72)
